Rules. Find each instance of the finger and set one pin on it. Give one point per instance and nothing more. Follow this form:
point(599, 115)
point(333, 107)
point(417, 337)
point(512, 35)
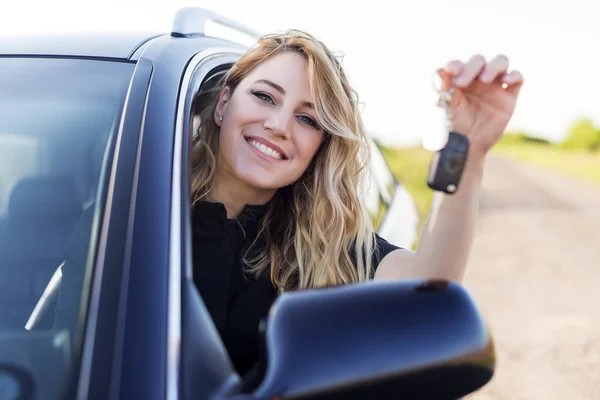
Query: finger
point(513, 82)
point(493, 69)
point(446, 79)
point(454, 68)
point(512, 78)
point(471, 70)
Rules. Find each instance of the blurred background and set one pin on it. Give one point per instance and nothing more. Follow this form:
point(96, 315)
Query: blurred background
point(534, 268)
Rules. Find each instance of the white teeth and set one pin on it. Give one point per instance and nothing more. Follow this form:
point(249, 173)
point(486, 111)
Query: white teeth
point(267, 150)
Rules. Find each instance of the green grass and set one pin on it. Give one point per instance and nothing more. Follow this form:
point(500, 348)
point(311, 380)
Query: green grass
point(584, 165)
point(410, 166)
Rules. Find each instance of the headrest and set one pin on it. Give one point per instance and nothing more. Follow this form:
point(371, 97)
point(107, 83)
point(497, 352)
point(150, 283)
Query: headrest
point(44, 197)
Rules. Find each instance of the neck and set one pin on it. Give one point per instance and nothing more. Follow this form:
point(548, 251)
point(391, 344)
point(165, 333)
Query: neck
point(235, 195)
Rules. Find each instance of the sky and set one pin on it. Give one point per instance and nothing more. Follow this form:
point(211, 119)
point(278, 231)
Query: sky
point(391, 49)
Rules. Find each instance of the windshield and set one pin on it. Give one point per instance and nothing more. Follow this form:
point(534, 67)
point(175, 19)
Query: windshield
point(56, 118)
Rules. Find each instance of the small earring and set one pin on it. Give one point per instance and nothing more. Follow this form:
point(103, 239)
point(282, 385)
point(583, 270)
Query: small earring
point(220, 118)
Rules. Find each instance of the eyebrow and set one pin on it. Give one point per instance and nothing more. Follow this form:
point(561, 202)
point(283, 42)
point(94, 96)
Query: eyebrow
point(282, 91)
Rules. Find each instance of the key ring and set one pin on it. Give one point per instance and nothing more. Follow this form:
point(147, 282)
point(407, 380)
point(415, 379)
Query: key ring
point(444, 96)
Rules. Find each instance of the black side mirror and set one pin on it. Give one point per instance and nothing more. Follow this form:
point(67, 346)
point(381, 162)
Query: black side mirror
point(396, 340)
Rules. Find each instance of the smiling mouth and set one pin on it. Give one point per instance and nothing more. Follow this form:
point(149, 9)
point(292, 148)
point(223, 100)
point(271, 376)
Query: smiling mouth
point(266, 150)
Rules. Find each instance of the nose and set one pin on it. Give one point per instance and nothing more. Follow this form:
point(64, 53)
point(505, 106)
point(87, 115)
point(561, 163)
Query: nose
point(279, 123)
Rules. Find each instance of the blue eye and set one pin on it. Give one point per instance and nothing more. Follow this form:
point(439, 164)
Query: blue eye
point(264, 97)
point(308, 121)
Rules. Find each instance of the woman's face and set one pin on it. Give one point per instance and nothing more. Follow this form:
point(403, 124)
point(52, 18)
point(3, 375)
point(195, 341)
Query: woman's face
point(269, 131)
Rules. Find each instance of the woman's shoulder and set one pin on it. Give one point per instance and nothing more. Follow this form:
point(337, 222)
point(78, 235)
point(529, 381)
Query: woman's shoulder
point(381, 248)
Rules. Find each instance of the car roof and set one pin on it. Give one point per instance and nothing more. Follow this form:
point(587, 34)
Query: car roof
point(105, 45)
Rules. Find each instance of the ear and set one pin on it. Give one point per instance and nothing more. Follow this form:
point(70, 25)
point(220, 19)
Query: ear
point(222, 104)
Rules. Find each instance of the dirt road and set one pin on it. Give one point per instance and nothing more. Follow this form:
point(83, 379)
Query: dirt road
point(535, 272)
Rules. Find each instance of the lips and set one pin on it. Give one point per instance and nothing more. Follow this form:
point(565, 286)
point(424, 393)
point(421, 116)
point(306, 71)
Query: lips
point(269, 144)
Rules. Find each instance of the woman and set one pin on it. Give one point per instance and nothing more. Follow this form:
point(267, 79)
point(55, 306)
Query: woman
point(278, 163)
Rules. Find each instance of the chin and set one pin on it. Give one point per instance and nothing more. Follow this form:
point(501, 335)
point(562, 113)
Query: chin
point(262, 182)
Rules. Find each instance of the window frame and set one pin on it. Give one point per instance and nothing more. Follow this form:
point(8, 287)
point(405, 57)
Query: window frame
point(202, 67)
point(107, 267)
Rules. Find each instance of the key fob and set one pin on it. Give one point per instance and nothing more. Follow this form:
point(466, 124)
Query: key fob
point(447, 165)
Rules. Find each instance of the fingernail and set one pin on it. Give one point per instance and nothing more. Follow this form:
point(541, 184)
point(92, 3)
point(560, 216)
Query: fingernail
point(453, 69)
point(460, 80)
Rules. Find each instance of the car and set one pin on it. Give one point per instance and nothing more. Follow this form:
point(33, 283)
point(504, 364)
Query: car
point(95, 135)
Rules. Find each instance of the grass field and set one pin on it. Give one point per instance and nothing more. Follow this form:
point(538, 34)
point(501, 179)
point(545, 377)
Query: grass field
point(577, 164)
point(410, 165)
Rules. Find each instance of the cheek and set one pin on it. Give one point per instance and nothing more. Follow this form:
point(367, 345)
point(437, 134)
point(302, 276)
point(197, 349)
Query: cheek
point(244, 111)
point(307, 145)
point(238, 117)
point(226, 137)
point(230, 145)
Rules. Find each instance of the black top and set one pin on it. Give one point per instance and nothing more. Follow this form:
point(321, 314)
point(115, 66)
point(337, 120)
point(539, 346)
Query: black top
point(236, 302)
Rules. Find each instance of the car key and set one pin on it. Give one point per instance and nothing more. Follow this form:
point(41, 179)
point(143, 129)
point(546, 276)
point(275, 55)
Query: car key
point(447, 164)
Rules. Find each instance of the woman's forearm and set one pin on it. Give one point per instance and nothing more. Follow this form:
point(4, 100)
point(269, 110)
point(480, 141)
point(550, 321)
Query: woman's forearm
point(446, 239)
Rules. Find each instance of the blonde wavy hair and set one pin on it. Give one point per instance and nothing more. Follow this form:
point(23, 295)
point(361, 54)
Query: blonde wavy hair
point(317, 232)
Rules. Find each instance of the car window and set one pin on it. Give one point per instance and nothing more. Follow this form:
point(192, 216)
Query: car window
point(57, 117)
point(19, 158)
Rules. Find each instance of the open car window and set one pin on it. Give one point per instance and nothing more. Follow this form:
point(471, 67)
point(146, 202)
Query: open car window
point(200, 340)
